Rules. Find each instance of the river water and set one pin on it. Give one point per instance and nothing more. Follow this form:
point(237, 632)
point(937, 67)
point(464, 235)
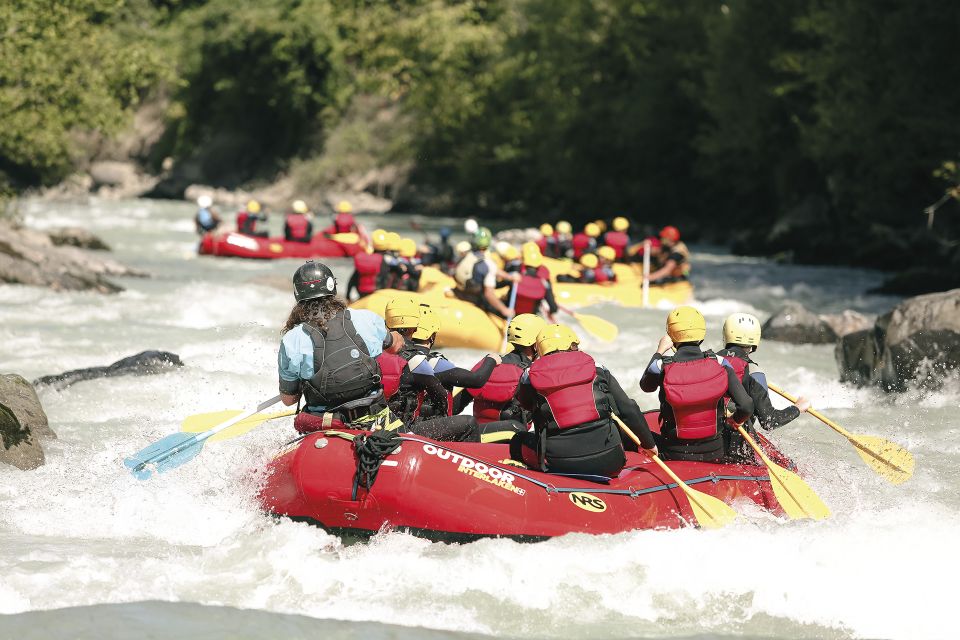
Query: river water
point(88, 551)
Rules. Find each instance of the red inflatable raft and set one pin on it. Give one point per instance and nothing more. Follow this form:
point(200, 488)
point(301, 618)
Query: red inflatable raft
point(237, 245)
point(458, 492)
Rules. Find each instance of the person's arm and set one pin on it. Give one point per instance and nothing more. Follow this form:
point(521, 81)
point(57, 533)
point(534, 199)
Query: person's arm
point(292, 368)
point(740, 396)
point(551, 301)
point(664, 271)
point(628, 411)
point(653, 374)
point(490, 294)
point(456, 377)
point(769, 417)
point(436, 393)
point(353, 283)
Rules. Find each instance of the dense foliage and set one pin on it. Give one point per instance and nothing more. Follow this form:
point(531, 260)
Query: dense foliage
point(814, 126)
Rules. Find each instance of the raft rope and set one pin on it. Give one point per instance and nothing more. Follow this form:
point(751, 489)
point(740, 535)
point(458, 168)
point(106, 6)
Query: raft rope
point(371, 451)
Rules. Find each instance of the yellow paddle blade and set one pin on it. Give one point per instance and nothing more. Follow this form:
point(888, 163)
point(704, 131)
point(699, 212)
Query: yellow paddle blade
point(796, 497)
point(204, 421)
point(888, 459)
point(710, 512)
point(598, 327)
point(345, 238)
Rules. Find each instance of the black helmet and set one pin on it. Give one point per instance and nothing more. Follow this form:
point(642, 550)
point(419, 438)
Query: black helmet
point(313, 280)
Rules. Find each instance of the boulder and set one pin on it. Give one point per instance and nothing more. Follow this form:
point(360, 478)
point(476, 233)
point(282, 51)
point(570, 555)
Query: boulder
point(77, 237)
point(112, 173)
point(31, 257)
point(848, 322)
point(917, 343)
point(518, 236)
point(794, 323)
point(143, 363)
point(23, 423)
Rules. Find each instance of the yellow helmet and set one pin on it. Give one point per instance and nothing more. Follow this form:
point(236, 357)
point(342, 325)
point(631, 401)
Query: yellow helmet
point(589, 261)
point(601, 223)
point(253, 206)
point(686, 324)
point(379, 240)
point(408, 248)
point(523, 329)
point(555, 337)
point(402, 313)
point(592, 229)
point(607, 253)
point(299, 206)
point(546, 229)
point(344, 207)
point(531, 254)
point(463, 247)
point(393, 241)
point(497, 260)
point(429, 323)
point(510, 252)
point(564, 227)
point(620, 224)
point(741, 328)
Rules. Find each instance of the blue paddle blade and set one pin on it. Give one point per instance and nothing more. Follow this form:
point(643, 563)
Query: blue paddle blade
point(163, 455)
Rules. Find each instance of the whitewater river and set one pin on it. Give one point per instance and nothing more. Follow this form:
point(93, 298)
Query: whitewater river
point(88, 551)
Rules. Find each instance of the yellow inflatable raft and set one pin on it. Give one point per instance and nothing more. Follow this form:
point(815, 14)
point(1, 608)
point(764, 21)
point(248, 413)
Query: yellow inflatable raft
point(461, 323)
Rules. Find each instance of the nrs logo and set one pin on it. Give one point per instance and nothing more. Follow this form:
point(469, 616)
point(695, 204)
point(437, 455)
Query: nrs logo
point(588, 502)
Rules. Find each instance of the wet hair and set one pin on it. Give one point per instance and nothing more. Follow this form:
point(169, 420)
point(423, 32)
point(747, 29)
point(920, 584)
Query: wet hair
point(315, 312)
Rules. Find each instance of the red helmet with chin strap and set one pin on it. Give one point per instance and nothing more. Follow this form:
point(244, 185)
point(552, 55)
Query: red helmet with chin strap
point(670, 233)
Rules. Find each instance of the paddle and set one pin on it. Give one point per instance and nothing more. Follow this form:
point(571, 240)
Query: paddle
point(506, 327)
point(710, 512)
point(595, 325)
point(887, 458)
point(203, 421)
point(344, 238)
point(179, 448)
point(794, 495)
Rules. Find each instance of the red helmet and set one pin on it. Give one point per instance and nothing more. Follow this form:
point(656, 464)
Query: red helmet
point(669, 233)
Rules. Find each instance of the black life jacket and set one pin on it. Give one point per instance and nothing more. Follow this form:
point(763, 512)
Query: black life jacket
point(406, 401)
point(344, 370)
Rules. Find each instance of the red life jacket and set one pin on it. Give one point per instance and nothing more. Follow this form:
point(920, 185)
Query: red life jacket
point(530, 291)
point(500, 390)
point(601, 275)
point(242, 221)
point(565, 379)
point(344, 223)
point(618, 241)
point(739, 365)
point(297, 224)
point(542, 243)
point(581, 242)
point(368, 267)
point(391, 366)
point(694, 390)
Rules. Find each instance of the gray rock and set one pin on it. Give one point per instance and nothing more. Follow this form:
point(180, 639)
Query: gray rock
point(848, 322)
point(518, 236)
point(916, 343)
point(143, 363)
point(23, 423)
point(77, 237)
point(794, 323)
point(30, 257)
point(112, 173)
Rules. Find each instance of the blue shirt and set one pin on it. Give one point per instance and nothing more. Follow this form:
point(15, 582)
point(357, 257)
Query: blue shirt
point(295, 356)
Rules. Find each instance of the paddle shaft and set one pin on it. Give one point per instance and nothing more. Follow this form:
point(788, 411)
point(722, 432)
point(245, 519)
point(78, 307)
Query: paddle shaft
point(645, 287)
point(846, 434)
point(200, 437)
point(506, 327)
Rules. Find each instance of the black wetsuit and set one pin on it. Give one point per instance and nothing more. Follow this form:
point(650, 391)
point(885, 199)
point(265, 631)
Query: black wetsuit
point(708, 449)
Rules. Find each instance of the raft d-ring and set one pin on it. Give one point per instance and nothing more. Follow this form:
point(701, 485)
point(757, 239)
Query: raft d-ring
point(713, 478)
point(633, 492)
point(551, 488)
point(320, 443)
point(347, 515)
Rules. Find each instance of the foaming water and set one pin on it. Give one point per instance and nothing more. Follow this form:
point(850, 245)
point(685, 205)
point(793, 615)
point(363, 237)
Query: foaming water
point(82, 541)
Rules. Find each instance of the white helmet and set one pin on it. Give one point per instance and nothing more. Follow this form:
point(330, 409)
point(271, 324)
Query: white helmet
point(470, 226)
point(741, 328)
point(204, 201)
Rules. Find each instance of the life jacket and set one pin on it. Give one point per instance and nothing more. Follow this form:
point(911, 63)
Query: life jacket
point(344, 370)
point(694, 390)
point(682, 270)
point(469, 274)
point(542, 243)
point(739, 365)
point(530, 291)
point(566, 380)
point(499, 393)
point(601, 275)
point(391, 367)
point(368, 266)
point(618, 241)
point(344, 223)
point(297, 227)
point(406, 402)
point(243, 219)
point(581, 242)
point(428, 409)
